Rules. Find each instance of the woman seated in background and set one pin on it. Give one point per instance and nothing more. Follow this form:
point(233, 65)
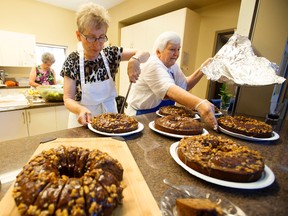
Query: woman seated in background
point(163, 83)
point(43, 74)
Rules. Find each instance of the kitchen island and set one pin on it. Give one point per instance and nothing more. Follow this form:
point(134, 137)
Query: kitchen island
point(151, 152)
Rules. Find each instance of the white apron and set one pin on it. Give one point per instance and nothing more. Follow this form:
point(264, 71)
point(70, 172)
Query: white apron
point(98, 97)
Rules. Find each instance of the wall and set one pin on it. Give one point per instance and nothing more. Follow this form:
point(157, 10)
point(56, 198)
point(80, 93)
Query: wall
point(179, 21)
point(216, 17)
point(50, 24)
point(268, 40)
point(53, 25)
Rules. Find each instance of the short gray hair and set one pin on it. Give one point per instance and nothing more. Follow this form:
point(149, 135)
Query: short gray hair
point(92, 15)
point(164, 38)
point(48, 57)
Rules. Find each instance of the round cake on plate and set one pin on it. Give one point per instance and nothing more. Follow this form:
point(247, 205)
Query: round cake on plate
point(221, 158)
point(178, 125)
point(245, 126)
point(69, 181)
point(114, 123)
point(176, 110)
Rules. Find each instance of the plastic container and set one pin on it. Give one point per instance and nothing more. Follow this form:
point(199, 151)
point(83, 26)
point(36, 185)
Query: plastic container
point(51, 93)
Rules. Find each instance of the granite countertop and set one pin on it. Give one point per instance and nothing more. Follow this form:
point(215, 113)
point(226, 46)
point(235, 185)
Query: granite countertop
point(151, 152)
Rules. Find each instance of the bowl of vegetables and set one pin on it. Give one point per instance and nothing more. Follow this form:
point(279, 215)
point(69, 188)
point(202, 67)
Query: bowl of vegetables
point(51, 93)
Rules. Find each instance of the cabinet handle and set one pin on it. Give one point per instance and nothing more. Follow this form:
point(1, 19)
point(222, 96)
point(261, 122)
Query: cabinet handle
point(29, 117)
point(23, 114)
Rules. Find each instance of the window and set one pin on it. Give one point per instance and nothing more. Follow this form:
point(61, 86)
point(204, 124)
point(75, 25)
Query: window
point(59, 53)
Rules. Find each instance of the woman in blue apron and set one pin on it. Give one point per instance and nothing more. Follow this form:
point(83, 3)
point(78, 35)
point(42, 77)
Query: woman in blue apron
point(163, 83)
point(89, 72)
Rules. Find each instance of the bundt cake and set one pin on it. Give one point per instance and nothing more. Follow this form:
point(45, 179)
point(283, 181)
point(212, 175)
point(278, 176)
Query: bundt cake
point(178, 125)
point(69, 181)
point(221, 158)
point(114, 123)
point(246, 126)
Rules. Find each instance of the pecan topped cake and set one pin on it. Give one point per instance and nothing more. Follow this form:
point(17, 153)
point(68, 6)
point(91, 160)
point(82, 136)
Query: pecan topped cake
point(221, 158)
point(178, 125)
point(114, 123)
point(177, 110)
point(69, 180)
point(246, 126)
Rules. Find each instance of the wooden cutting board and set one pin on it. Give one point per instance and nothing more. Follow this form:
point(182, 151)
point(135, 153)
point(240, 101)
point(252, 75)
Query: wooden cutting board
point(138, 199)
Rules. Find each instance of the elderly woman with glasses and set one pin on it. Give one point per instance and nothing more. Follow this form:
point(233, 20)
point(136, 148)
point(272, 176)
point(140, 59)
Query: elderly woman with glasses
point(162, 82)
point(43, 74)
point(89, 72)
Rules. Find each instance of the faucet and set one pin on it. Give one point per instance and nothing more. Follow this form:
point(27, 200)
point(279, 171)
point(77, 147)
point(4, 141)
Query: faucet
point(2, 77)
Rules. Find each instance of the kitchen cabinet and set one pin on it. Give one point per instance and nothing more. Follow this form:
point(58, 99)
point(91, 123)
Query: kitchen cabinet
point(41, 120)
point(17, 49)
point(29, 122)
point(62, 115)
point(13, 125)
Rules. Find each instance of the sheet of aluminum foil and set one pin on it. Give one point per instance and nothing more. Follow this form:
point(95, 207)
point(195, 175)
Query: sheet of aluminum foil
point(236, 63)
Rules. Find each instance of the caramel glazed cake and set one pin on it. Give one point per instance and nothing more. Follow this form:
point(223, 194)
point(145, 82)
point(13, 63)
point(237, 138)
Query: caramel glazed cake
point(197, 207)
point(69, 181)
point(178, 125)
point(246, 126)
point(114, 123)
point(220, 158)
point(177, 110)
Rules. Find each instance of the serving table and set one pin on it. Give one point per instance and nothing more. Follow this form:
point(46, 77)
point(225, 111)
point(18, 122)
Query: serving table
point(151, 151)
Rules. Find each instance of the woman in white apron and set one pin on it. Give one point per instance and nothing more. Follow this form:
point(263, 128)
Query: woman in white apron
point(89, 88)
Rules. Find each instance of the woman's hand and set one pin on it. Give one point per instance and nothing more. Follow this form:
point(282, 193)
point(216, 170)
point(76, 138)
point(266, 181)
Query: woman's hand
point(207, 113)
point(84, 117)
point(133, 69)
point(206, 62)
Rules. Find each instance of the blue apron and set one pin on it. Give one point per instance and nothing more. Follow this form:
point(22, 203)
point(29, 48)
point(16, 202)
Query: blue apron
point(163, 103)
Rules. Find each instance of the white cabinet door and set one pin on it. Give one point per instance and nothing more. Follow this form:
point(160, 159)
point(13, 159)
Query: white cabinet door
point(41, 120)
point(13, 125)
point(17, 49)
point(62, 115)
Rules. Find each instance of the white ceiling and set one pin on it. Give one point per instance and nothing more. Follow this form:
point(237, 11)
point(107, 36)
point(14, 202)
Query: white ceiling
point(75, 4)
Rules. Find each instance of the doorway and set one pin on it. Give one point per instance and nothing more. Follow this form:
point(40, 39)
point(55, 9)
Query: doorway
point(222, 38)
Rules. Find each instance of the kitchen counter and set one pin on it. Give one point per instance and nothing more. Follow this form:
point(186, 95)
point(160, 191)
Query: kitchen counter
point(32, 106)
point(151, 153)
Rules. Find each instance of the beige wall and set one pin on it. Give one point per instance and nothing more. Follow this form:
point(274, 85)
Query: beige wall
point(133, 11)
point(217, 17)
point(268, 39)
point(50, 25)
point(53, 25)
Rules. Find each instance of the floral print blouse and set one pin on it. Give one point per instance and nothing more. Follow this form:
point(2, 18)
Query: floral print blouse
point(44, 77)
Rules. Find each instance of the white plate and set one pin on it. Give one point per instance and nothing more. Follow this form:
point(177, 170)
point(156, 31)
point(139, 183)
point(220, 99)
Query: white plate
point(266, 179)
point(195, 117)
point(140, 128)
point(168, 201)
point(218, 113)
point(152, 127)
point(275, 136)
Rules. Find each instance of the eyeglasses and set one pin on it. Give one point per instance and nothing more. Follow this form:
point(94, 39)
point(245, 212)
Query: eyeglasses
point(101, 39)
